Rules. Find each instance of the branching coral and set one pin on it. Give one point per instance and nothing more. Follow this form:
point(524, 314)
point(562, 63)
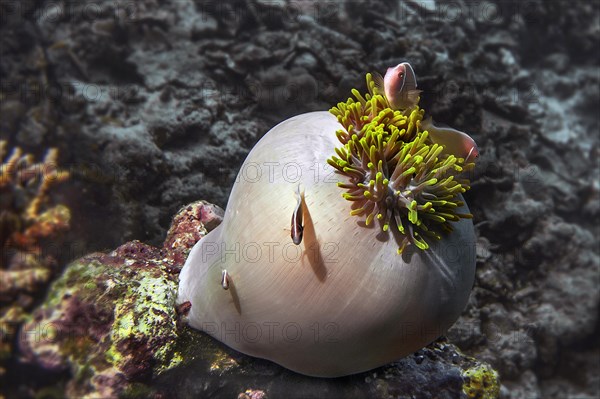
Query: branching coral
point(27, 222)
point(395, 173)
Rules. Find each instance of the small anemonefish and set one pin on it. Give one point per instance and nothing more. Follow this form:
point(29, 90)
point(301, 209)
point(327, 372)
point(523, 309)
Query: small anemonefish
point(400, 88)
point(225, 279)
point(297, 227)
point(455, 142)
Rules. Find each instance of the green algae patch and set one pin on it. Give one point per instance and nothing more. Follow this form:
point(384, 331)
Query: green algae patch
point(147, 315)
point(481, 382)
point(110, 320)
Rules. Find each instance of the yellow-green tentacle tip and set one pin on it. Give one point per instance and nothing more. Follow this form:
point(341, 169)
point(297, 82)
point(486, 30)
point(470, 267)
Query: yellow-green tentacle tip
point(392, 171)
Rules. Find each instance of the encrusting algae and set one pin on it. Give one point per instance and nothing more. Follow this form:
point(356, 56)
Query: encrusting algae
point(396, 174)
point(114, 315)
point(481, 382)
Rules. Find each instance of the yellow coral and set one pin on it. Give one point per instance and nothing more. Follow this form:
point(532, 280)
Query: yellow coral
point(25, 220)
point(24, 185)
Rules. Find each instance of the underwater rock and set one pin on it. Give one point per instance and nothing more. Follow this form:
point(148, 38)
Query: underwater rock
point(437, 371)
point(191, 223)
point(111, 323)
point(109, 320)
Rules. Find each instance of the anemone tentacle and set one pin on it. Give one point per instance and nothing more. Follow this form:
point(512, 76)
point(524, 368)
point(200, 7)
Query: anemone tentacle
point(395, 174)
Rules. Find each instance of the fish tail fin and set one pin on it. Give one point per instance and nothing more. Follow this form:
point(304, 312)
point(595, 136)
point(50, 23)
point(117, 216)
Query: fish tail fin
point(426, 124)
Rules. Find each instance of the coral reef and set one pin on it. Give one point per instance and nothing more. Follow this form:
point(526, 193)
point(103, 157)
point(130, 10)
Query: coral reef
point(156, 97)
point(110, 322)
point(30, 226)
point(110, 319)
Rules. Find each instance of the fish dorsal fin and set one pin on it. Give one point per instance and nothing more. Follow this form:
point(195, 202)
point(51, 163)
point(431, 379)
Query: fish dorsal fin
point(413, 96)
point(378, 80)
point(300, 192)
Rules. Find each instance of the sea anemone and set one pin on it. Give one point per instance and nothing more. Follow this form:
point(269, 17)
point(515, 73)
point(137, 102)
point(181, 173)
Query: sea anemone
point(329, 295)
point(395, 174)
